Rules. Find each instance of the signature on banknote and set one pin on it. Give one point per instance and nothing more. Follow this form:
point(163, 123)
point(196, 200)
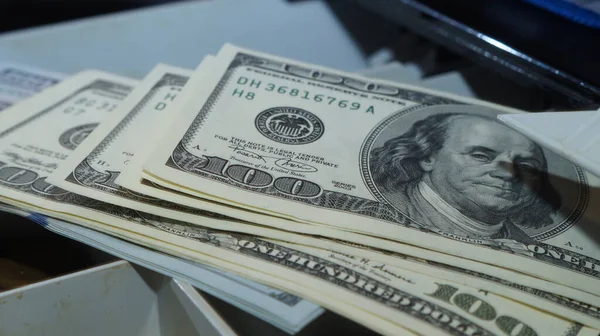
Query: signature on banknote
point(285, 163)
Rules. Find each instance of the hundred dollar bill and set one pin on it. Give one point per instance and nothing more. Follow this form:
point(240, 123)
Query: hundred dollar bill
point(485, 306)
point(19, 81)
point(91, 170)
point(390, 299)
point(37, 135)
point(319, 146)
point(387, 307)
point(387, 296)
point(286, 311)
point(64, 114)
point(359, 315)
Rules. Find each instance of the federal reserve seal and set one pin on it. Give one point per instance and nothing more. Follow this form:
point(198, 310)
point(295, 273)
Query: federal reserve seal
point(289, 125)
point(72, 137)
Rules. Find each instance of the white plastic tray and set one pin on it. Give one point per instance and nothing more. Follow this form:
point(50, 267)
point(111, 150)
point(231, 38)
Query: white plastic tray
point(113, 299)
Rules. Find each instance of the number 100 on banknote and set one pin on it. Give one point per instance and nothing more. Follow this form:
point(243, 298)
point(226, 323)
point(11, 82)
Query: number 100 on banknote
point(319, 146)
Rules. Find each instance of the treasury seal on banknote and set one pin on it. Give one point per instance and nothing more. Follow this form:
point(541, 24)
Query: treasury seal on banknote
point(289, 125)
point(455, 169)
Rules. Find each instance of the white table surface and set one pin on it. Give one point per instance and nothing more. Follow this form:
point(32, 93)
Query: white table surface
point(130, 43)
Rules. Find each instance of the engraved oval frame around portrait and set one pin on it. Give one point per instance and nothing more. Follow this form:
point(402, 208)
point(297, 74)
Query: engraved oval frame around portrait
point(416, 113)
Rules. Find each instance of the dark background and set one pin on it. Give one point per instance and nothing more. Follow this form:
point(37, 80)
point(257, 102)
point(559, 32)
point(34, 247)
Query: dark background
point(19, 14)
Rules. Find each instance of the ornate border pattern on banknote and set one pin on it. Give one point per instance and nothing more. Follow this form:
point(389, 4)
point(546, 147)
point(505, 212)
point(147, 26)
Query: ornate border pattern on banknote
point(283, 297)
point(100, 86)
point(565, 224)
point(84, 174)
point(183, 160)
point(328, 271)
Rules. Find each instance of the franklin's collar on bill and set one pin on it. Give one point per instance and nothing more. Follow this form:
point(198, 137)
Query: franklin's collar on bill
point(465, 223)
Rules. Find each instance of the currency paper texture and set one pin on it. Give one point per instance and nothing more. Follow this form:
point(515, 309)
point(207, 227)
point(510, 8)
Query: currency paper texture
point(319, 146)
point(281, 309)
point(41, 132)
point(287, 311)
point(19, 81)
point(335, 280)
point(449, 309)
point(91, 170)
point(485, 306)
point(388, 305)
point(64, 114)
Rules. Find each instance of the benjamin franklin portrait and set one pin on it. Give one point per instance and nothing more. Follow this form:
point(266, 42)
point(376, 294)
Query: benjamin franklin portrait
point(466, 175)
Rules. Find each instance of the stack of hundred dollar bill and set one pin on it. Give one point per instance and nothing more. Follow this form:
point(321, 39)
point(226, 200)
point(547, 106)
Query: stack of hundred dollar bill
point(406, 210)
point(283, 310)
